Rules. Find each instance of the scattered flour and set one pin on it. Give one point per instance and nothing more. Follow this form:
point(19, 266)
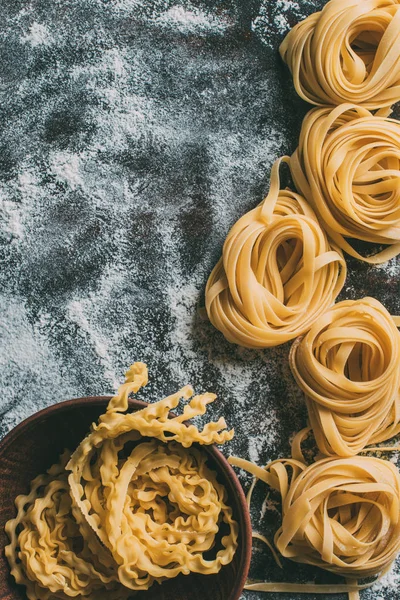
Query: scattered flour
point(10, 218)
point(190, 19)
point(183, 17)
point(38, 35)
point(26, 357)
point(256, 445)
point(66, 167)
point(275, 19)
point(390, 581)
point(79, 312)
point(391, 268)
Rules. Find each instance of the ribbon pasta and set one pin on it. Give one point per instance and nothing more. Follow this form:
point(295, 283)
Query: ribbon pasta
point(348, 368)
point(348, 52)
point(339, 514)
point(277, 272)
point(122, 513)
point(347, 165)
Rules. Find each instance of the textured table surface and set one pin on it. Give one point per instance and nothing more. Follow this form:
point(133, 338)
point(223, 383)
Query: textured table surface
point(133, 133)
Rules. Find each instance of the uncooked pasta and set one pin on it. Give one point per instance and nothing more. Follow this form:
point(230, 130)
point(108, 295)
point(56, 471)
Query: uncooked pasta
point(348, 366)
point(347, 165)
point(277, 274)
point(124, 512)
point(339, 514)
point(348, 52)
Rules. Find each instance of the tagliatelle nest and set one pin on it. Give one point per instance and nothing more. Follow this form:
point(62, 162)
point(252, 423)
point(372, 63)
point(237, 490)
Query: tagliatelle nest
point(348, 52)
point(347, 165)
point(348, 366)
point(277, 274)
point(124, 513)
point(339, 514)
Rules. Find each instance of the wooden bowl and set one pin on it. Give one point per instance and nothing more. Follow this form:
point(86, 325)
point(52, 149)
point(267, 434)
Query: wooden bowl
point(36, 443)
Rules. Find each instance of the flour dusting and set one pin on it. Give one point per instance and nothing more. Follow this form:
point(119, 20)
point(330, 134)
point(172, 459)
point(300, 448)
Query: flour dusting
point(78, 312)
point(275, 19)
point(66, 167)
point(391, 268)
point(38, 35)
point(191, 20)
point(26, 357)
point(388, 582)
point(10, 217)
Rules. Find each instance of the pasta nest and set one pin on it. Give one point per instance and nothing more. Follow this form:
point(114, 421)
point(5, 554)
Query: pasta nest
point(348, 52)
point(339, 514)
point(348, 368)
point(277, 274)
point(134, 504)
point(347, 165)
point(342, 515)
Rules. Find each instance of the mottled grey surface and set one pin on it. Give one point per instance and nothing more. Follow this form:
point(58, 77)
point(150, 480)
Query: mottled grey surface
point(133, 133)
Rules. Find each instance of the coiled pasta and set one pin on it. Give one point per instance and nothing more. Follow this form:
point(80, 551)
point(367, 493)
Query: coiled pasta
point(124, 512)
point(339, 514)
point(348, 366)
point(348, 52)
point(277, 273)
point(347, 165)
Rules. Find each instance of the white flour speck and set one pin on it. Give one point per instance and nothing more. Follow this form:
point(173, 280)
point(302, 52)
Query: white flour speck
point(87, 313)
point(10, 218)
point(391, 268)
point(38, 35)
point(256, 445)
point(23, 344)
point(275, 19)
point(390, 581)
point(188, 19)
point(66, 167)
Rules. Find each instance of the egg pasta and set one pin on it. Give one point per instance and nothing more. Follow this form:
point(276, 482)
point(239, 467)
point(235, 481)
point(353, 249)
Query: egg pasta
point(347, 165)
point(339, 514)
point(348, 368)
point(278, 272)
point(135, 504)
point(348, 52)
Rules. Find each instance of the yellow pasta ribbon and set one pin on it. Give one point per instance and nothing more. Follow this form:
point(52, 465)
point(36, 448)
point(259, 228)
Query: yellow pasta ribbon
point(348, 52)
point(277, 274)
point(339, 514)
point(348, 368)
point(347, 165)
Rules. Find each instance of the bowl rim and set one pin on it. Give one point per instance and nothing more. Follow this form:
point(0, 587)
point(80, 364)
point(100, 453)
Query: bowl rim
point(246, 529)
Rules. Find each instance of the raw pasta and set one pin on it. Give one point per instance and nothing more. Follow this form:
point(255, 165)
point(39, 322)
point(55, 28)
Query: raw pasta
point(348, 52)
point(47, 552)
point(348, 366)
point(339, 514)
point(124, 512)
point(277, 273)
point(347, 165)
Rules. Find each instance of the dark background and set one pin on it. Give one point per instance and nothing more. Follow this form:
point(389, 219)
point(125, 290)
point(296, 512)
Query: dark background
point(133, 133)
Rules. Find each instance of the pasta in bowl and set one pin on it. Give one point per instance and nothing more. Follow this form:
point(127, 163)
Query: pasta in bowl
point(129, 509)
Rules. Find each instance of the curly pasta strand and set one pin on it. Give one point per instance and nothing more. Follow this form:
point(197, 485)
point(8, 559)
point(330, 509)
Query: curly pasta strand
point(43, 555)
point(124, 513)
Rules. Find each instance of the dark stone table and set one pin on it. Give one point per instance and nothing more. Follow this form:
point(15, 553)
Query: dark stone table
point(133, 133)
